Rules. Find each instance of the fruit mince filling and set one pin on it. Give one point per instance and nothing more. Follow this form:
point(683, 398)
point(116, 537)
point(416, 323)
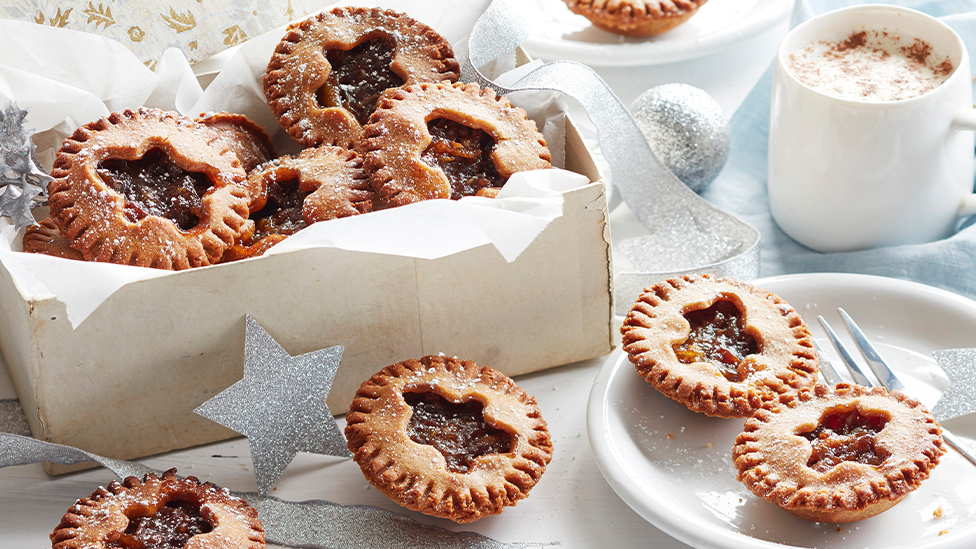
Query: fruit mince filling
point(845, 435)
point(359, 76)
point(171, 527)
point(457, 430)
point(717, 336)
point(282, 213)
point(155, 185)
point(464, 155)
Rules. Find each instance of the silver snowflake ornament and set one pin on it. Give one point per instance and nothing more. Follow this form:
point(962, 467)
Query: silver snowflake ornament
point(23, 184)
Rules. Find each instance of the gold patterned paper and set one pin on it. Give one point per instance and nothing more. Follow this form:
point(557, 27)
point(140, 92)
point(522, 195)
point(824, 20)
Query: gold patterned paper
point(199, 28)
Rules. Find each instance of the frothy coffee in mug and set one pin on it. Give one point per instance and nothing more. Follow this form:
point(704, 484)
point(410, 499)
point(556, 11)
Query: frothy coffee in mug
point(870, 65)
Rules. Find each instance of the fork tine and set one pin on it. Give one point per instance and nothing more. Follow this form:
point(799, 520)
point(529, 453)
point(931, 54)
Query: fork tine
point(887, 378)
point(827, 370)
point(856, 373)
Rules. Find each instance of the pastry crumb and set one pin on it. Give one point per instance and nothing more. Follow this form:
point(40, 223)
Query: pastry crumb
point(937, 513)
point(670, 435)
point(943, 532)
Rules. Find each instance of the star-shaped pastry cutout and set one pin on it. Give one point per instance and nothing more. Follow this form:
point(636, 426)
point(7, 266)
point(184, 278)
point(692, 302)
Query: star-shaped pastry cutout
point(280, 404)
point(960, 398)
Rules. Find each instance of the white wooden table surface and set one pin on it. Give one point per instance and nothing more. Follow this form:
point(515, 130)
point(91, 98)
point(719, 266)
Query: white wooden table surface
point(572, 504)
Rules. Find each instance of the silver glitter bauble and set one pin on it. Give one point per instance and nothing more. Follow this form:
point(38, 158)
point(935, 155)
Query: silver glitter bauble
point(687, 131)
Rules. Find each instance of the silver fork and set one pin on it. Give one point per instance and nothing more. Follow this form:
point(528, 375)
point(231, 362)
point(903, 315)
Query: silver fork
point(886, 377)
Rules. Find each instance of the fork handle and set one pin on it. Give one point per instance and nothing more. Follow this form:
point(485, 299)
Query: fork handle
point(959, 445)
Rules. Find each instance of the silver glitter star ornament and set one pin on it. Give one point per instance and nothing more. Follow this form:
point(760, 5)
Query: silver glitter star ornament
point(280, 404)
point(21, 180)
point(960, 398)
point(686, 129)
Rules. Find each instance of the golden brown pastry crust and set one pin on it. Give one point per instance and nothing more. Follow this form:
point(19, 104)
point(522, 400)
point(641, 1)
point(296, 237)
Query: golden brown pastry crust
point(639, 18)
point(333, 184)
point(331, 178)
point(771, 459)
point(416, 475)
point(298, 68)
point(397, 135)
point(256, 248)
point(45, 238)
point(785, 361)
point(251, 144)
point(91, 214)
point(93, 522)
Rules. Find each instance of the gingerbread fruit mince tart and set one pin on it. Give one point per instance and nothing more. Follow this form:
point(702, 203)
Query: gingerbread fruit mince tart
point(150, 188)
point(448, 438)
point(838, 454)
point(251, 144)
point(293, 192)
point(45, 238)
point(719, 346)
point(640, 18)
point(324, 77)
point(446, 140)
point(160, 513)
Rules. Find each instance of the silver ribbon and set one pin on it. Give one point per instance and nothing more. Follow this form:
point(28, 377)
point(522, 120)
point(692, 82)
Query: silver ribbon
point(688, 233)
point(21, 450)
point(314, 523)
point(318, 523)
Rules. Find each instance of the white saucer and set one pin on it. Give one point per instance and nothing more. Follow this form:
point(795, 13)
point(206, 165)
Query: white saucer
point(560, 34)
point(674, 467)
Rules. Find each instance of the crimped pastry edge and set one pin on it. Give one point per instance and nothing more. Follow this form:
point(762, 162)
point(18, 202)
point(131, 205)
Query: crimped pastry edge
point(415, 475)
point(821, 497)
point(684, 383)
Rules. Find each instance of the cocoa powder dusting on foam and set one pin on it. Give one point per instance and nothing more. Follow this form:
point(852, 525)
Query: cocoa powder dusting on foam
point(870, 65)
point(855, 40)
point(919, 51)
point(945, 68)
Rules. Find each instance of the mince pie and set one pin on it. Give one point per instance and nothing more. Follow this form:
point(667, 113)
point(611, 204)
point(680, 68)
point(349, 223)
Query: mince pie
point(719, 346)
point(150, 188)
point(319, 184)
point(160, 513)
point(251, 144)
point(448, 438)
point(639, 18)
point(45, 238)
point(838, 454)
point(447, 141)
point(324, 77)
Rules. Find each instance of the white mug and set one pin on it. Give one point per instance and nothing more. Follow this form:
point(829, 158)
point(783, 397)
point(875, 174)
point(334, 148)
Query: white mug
point(850, 174)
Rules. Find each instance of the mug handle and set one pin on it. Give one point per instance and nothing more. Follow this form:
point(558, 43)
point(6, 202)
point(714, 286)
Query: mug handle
point(966, 120)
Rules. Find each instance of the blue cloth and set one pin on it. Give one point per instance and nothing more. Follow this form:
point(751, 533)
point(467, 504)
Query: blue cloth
point(741, 188)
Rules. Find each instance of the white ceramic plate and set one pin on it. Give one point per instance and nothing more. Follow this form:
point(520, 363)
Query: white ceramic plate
point(560, 34)
point(674, 467)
